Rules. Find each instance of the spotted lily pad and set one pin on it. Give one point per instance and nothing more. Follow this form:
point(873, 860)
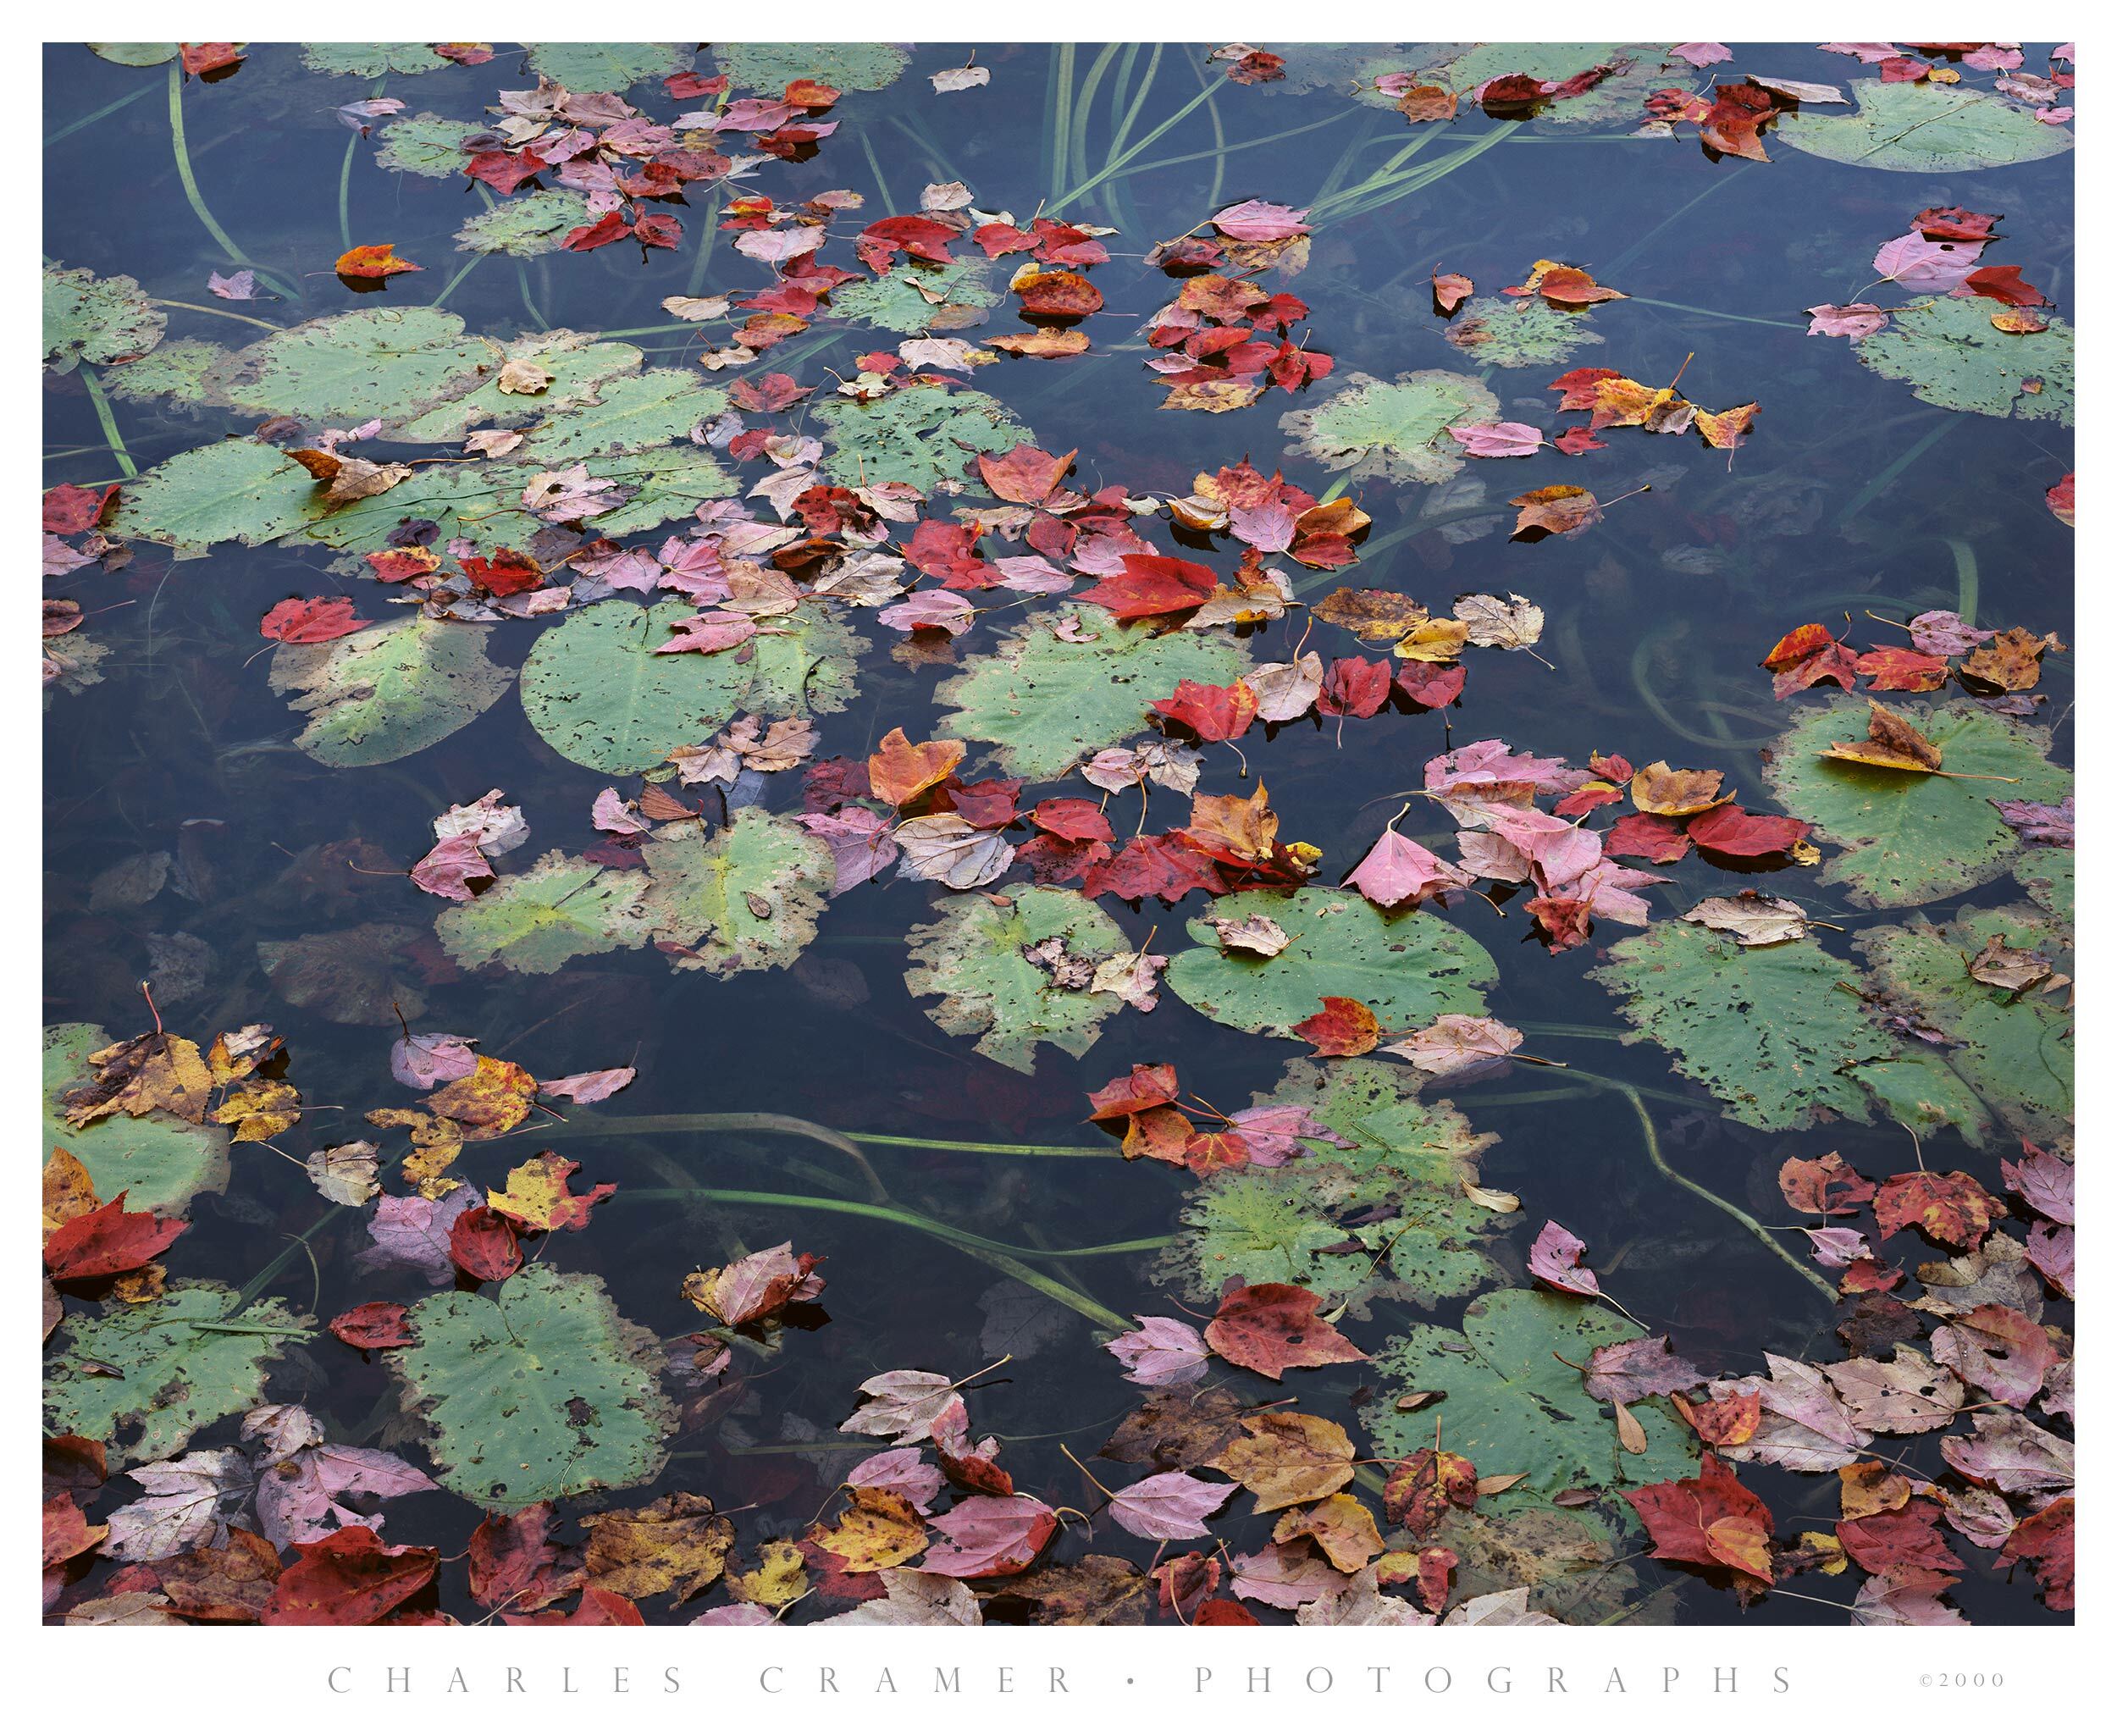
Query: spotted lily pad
point(231, 491)
point(370, 60)
point(745, 898)
point(920, 435)
point(1636, 68)
point(1924, 128)
point(536, 921)
point(1409, 967)
point(159, 1161)
point(606, 66)
point(1393, 429)
point(1496, 332)
point(898, 301)
point(772, 66)
point(105, 320)
point(595, 689)
point(526, 225)
point(136, 53)
point(971, 955)
point(144, 1378)
point(1768, 1029)
point(1954, 357)
point(1906, 838)
point(538, 1390)
point(1046, 703)
point(1511, 1402)
point(385, 692)
point(2046, 876)
point(1388, 1217)
point(426, 143)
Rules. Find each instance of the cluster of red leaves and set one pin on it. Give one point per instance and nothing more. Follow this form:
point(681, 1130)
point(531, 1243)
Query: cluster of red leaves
point(1986, 663)
point(1157, 1123)
point(1731, 124)
point(1614, 401)
point(1228, 340)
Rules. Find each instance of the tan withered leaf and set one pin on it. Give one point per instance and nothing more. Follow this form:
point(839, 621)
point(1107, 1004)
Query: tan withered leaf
point(1284, 691)
point(1631, 1436)
point(879, 1528)
point(1258, 936)
point(1284, 1458)
point(522, 378)
point(1341, 1527)
point(1440, 640)
point(1999, 965)
point(262, 1109)
point(69, 1193)
point(1096, 1591)
point(1892, 742)
point(1243, 826)
point(1560, 510)
point(901, 769)
point(136, 1077)
point(1661, 788)
point(1176, 1431)
point(676, 1544)
point(1511, 626)
point(1371, 615)
point(1754, 919)
point(2012, 663)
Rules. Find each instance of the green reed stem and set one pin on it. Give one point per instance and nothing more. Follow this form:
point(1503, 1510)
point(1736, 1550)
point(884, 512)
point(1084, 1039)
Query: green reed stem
point(875, 168)
point(1061, 106)
point(108, 422)
point(1966, 578)
point(1720, 179)
point(108, 108)
point(224, 313)
point(1715, 313)
point(1896, 467)
point(278, 1263)
point(462, 271)
point(1118, 161)
point(197, 200)
point(602, 1126)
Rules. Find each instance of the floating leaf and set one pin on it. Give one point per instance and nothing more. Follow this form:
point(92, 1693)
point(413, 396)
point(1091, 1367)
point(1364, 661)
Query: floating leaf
point(745, 898)
point(537, 921)
point(424, 144)
point(772, 66)
point(371, 60)
point(158, 1160)
point(386, 692)
point(104, 320)
point(606, 66)
point(526, 225)
point(1924, 128)
point(919, 435)
point(538, 1390)
point(917, 297)
point(1497, 332)
point(1396, 430)
point(1953, 355)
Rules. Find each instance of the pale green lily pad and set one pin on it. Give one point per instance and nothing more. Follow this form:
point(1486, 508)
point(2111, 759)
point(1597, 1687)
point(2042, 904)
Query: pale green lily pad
point(105, 320)
point(177, 369)
point(1917, 1089)
point(370, 60)
point(1496, 332)
point(629, 413)
point(136, 53)
point(538, 1390)
point(594, 688)
point(1907, 838)
point(772, 66)
point(1047, 702)
point(537, 921)
point(386, 692)
point(919, 435)
point(971, 956)
point(606, 66)
point(2015, 1051)
point(1409, 967)
point(1924, 128)
point(479, 503)
point(1616, 100)
point(157, 1161)
point(1768, 1029)
point(745, 898)
point(1388, 1218)
point(2046, 874)
point(239, 490)
point(1393, 429)
point(1954, 357)
point(893, 301)
point(1511, 1403)
point(431, 145)
point(345, 367)
point(672, 483)
point(144, 1378)
point(580, 366)
point(525, 226)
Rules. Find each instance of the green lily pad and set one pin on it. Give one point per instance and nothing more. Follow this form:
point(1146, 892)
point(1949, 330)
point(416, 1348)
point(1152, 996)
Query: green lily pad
point(594, 688)
point(1617, 99)
point(671, 481)
point(369, 60)
point(1393, 429)
point(344, 367)
point(746, 898)
point(1387, 1218)
point(157, 1161)
point(581, 367)
point(105, 320)
point(1410, 968)
point(893, 301)
point(2046, 874)
point(772, 66)
point(177, 369)
point(144, 1378)
point(1917, 1089)
point(386, 692)
point(629, 413)
point(136, 53)
point(1496, 332)
point(1768, 1029)
point(1906, 838)
point(533, 922)
point(431, 145)
point(1511, 1403)
point(606, 66)
point(1954, 357)
point(971, 956)
point(233, 490)
point(525, 226)
point(1047, 702)
point(2015, 1051)
point(539, 1390)
point(1924, 128)
point(920, 435)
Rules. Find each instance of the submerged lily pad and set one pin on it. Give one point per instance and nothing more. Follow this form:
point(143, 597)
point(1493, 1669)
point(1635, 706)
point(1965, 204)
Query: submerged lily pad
point(426, 143)
point(1907, 838)
point(539, 1390)
point(136, 53)
point(920, 435)
point(385, 692)
point(158, 1161)
point(971, 956)
point(1395, 429)
point(1768, 1029)
point(2046, 876)
point(1496, 332)
point(1388, 1217)
point(1409, 967)
point(2015, 1051)
point(1924, 128)
point(176, 368)
point(594, 688)
point(144, 1378)
point(370, 60)
point(606, 66)
point(745, 898)
point(536, 921)
point(1510, 1402)
point(525, 226)
point(772, 66)
point(898, 299)
point(105, 320)
point(1954, 357)
point(1047, 702)
point(371, 362)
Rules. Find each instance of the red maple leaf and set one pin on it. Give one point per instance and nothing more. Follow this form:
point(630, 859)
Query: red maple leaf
point(107, 1241)
point(310, 621)
point(1729, 831)
point(1345, 1026)
point(1215, 714)
point(1708, 1521)
point(1271, 1328)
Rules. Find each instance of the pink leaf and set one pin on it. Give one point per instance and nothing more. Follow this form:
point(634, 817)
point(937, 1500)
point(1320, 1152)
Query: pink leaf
point(1555, 1259)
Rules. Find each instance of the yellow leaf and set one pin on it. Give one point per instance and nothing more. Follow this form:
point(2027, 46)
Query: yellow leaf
point(69, 1193)
point(879, 1528)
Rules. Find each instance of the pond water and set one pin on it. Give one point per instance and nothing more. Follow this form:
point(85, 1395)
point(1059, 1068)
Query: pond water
point(983, 1217)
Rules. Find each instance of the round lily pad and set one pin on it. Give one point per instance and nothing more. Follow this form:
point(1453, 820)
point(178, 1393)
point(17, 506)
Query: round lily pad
point(772, 66)
point(426, 143)
point(386, 692)
point(1409, 967)
point(606, 66)
point(525, 225)
point(1924, 128)
point(745, 898)
point(104, 320)
point(895, 302)
point(1496, 332)
point(920, 435)
point(1396, 429)
point(1953, 355)
point(369, 60)
point(536, 921)
point(232, 490)
point(347, 366)
point(1906, 838)
point(158, 1161)
point(1616, 99)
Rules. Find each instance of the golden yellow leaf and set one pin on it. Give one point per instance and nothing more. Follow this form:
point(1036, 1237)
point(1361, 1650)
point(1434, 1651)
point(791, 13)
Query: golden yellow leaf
point(676, 1543)
point(879, 1528)
point(69, 1193)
